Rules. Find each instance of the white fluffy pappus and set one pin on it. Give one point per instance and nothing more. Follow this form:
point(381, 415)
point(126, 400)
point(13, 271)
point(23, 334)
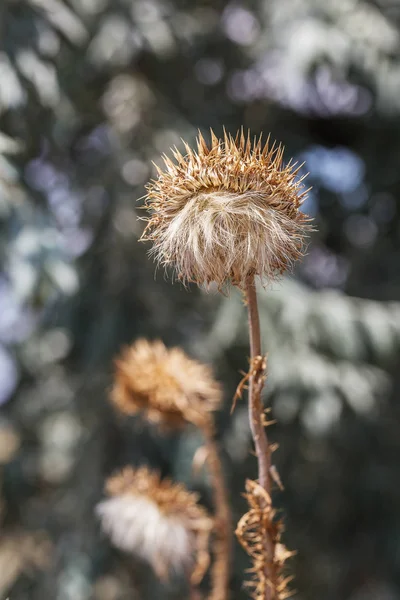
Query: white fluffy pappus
point(136, 524)
point(222, 233)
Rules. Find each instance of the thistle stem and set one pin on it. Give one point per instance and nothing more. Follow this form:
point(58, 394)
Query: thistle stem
point(256, 418)
point(194, 593)
point(256, 410)
point(222, 545)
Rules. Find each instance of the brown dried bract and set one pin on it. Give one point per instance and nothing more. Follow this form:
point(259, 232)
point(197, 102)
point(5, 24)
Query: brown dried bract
point(227, 212)
point(171, 498)
point(167, 386)
point(259, 532)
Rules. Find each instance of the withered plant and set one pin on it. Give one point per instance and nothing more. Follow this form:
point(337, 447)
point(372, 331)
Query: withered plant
point(158, 520)
point(172, 390)
point(226, 214)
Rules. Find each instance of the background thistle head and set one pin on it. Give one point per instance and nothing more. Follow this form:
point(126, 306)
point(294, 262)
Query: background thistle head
point(158, 520)
point(227, 212)
point(165, 385)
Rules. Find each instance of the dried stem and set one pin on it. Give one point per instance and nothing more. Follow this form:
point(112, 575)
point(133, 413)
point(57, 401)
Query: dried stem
point(257, 376)
point(223, 540)
point(256, 418)
point(194, 593)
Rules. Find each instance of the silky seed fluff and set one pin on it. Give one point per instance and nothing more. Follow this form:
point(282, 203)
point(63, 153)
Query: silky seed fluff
point(227, 212)
point(156, 519)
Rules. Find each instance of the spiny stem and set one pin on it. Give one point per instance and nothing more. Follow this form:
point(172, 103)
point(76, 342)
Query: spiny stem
point(223, 542)
point(256, 418)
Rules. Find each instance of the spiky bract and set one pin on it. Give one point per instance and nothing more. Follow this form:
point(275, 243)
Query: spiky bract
point(158, 520)
point(166, 385)
point(227, 212)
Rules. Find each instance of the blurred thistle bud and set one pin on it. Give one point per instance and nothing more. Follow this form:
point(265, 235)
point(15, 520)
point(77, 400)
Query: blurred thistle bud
point(170, 388)
point(157, 520)
point(227, 213)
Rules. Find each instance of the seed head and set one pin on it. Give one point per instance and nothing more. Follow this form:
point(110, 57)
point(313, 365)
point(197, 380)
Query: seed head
point(227, 212)
point(170, 388)
point(157, 520)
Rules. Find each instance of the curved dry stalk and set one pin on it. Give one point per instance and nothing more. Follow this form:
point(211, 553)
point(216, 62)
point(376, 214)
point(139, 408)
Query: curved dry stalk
point(223, 538)
point(257, 525)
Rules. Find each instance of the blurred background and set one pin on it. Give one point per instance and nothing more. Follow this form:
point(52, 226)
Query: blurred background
point(91, 92)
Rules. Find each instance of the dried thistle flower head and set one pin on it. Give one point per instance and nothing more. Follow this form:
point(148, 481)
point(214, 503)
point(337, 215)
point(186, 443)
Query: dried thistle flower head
point(168, 386)
point(158, 520)
point(227, 212)
point(259, 533)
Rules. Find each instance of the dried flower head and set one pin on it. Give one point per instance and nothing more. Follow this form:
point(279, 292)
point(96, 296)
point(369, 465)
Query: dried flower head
point(168, 386)
point(259, 533)
point(227, 212)
point(158, 520)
